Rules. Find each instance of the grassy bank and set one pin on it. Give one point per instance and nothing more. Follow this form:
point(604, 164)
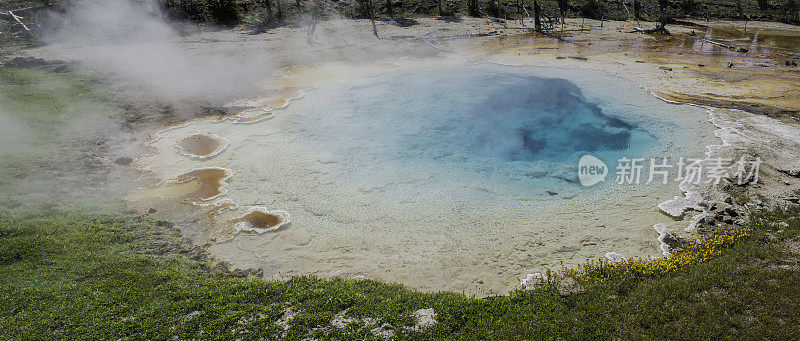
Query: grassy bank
point(64, 273)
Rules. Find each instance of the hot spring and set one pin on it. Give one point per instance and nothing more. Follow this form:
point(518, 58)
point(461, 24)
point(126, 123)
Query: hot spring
point(438, 175)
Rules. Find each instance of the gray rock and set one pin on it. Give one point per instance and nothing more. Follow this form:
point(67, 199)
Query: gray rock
point(426, 318)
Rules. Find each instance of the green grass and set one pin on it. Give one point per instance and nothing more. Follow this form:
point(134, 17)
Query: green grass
point(46, 102)
point(48, 121)
point(74, 275)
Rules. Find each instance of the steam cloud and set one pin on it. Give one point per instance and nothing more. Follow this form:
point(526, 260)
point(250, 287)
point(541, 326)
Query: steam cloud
point(14, 135)
point(135, 41)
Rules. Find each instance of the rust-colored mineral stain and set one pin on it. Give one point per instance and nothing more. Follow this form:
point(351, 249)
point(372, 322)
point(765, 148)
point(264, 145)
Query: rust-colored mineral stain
point(254, 118)
point(260, 220)
point(212, 210)
point(283, 96)
point(768, 107)
point(211, 180)
point(201, 145)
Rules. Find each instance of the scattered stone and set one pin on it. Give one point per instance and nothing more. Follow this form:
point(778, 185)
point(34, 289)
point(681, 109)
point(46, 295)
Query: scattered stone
point(552, 193)
point(791, 63)
point(678, 205)
point(152, 210)
point(701, 65)
point(640, 61)
point(667, 240)
point(742, 49)
point(730, 64)
point(665, 68)
point(614, 257)
point(561, 57)
point(426, 318)
point(578, 58)
point(533, 280)
point(164, 223)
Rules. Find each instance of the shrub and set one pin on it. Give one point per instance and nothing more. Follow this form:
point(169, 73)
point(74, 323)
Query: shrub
point(222, 12)
point(593, 9)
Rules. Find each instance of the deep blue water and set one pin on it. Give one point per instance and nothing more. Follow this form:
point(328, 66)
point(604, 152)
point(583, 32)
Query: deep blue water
point(478, 123)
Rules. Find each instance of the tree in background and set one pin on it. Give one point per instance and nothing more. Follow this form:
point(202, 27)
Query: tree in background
point(364, 10)
point(763, 5)
point(270, 17)
point(662, 13)
point(472, 8)
point(592, 9)
point(492, 9)
point(790, 9)
point(537, 22)
point(372, 19)
point(688, 6)
point(562, 10)
point(279, 14)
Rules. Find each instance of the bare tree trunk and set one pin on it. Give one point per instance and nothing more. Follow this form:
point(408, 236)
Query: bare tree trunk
point(389, 9)
point(372, 19)
point(311, 30)
point(279, 15)
point(662, 10)
point(316, 14)
point(562, 10)
point(537, 22)
point(441, 8)
point(270, 18)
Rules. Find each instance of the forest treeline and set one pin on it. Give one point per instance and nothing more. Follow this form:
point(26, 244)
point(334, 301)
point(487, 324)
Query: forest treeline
point(278, 12)
point(271, 13)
